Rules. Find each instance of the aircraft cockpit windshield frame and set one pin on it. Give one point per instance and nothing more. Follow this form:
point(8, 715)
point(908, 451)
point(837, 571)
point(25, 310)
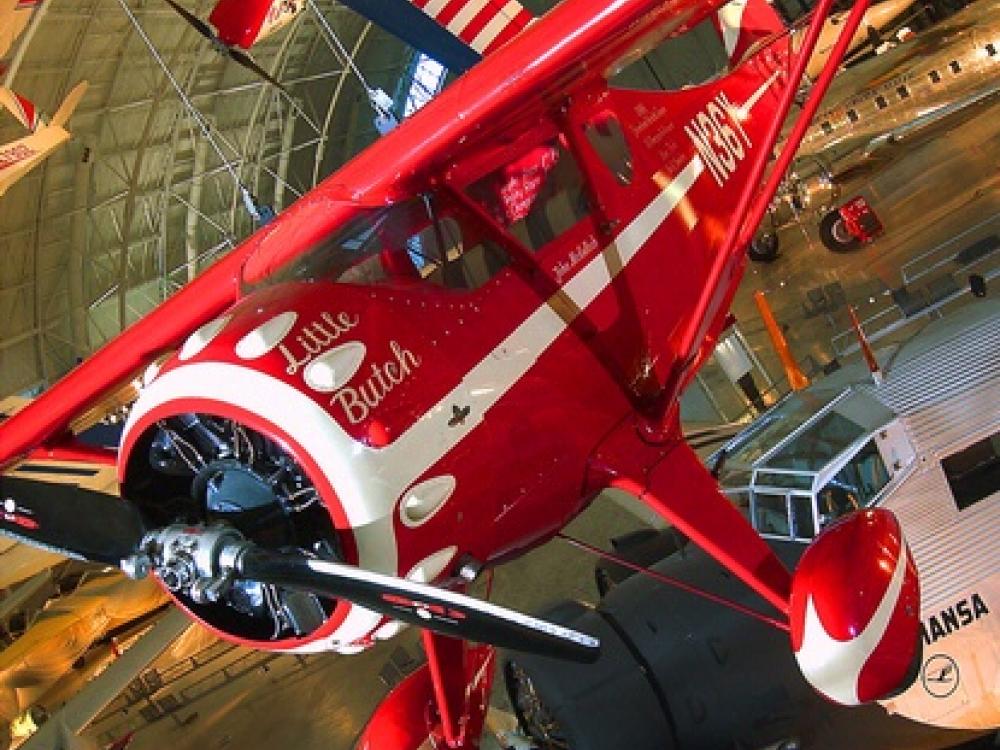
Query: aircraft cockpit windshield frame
point(420, 239)
point(847, 455)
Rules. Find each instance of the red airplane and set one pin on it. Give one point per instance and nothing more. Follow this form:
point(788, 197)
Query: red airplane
point(434, 360)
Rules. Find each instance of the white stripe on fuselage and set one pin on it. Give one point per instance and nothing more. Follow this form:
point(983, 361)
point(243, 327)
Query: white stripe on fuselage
point(369, 481)
point(744, 109)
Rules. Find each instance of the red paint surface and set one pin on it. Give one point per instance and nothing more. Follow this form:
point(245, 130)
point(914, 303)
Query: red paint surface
point(846, 573)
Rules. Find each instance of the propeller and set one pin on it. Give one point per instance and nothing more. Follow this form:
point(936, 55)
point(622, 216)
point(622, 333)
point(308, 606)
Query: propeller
point(70, 520)
point(203, 562)
point(236, 55)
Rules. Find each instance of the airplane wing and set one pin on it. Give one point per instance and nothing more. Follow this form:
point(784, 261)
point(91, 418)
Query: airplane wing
point(14, 16)
point(60, 732)
point(23, 155)
point(457, 34)
point(931, 123)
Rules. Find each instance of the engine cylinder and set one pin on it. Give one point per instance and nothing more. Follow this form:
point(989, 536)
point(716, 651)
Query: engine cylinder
point(204, 469)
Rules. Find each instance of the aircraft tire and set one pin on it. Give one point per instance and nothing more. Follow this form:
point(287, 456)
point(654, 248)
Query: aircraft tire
point(834, 235)
point(763, 247)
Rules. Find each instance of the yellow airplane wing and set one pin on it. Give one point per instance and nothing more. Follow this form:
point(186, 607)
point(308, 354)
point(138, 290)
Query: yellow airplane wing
point(14, 16)
point(23, 155)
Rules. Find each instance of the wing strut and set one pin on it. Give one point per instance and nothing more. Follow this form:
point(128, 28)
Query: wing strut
point(716, 295)
point(679, 489)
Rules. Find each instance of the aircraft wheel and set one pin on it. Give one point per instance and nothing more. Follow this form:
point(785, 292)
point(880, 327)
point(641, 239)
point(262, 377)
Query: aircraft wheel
point(763, 247)
point(536, 719)
point(835, 235)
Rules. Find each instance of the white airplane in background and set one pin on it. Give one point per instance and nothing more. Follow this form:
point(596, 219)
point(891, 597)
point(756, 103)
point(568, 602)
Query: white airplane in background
point(21, 156)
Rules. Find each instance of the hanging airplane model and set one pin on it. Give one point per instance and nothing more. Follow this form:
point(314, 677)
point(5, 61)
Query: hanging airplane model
point(14, 17)
point(21, 156)
point(440, 355)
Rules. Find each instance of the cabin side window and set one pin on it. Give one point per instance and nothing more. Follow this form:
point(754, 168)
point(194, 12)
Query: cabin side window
point(537, 197)
point(855, 486)
point(974, 472)
point(771, 514)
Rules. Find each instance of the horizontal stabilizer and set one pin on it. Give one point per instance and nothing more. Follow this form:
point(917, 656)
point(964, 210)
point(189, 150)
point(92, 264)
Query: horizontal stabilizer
point(69, 105)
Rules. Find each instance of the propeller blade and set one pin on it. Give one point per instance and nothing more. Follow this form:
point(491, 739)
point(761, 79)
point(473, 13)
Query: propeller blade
point(242, 58)
point(193, 21)
point(440, 610)
point(72, 521)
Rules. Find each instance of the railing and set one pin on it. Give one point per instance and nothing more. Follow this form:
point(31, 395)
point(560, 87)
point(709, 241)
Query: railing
point(913, 304)
point(937, 257)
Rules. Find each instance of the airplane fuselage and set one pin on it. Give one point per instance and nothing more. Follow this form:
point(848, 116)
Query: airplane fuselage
point(406, 383)
point(909, 93)
point(932, 70)
point(924, 444)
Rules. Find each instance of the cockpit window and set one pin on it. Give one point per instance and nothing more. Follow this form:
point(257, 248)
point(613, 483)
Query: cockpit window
point(775, 426)
point(803, 526)
point(536, 197)
point(855, 486)
point(817, 445)
point(415, 240)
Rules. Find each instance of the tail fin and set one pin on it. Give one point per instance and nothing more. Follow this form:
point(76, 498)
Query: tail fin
point(741, 23)
point(866, 348)
point(23, 109)
point(62, 115)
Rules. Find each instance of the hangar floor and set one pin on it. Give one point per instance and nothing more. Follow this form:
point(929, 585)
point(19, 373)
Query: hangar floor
point(940, 198)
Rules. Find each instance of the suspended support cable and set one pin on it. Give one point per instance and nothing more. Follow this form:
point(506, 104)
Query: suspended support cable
point(674, 582)
point(259, 213)
point(386, 118)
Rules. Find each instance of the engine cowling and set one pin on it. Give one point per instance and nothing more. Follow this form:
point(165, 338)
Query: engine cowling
point(252, 425)
point(855, 610)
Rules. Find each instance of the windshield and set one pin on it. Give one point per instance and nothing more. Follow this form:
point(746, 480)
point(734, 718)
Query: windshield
point(776, 425)
point(415, 240)
point(818, 445)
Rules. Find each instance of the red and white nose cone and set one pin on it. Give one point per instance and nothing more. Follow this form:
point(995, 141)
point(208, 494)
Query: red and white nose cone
point(855, 610)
